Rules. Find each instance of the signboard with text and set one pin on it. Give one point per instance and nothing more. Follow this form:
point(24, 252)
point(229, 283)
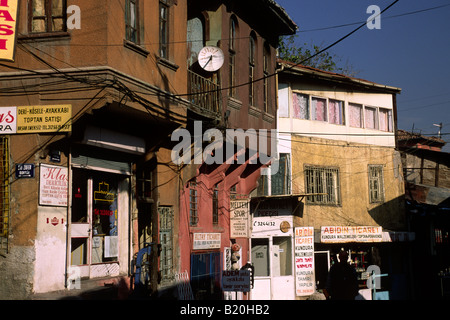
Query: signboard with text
point(35, 119)
point(8, 29)
point(236, 280)
point(343, 234)
point(304, 261)
point(239, 215)
point(206, 241)
point(53, 185)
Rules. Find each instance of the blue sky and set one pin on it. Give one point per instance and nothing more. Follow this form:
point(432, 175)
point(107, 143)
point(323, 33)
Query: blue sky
point(410, 51)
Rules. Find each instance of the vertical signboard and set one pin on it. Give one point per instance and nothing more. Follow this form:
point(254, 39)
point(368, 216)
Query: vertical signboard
point(8, 22)
point(239, 215)
point(304, 261)
point(53, 185)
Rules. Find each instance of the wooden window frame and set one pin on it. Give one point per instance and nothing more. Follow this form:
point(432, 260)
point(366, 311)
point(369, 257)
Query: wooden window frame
point(48, 17)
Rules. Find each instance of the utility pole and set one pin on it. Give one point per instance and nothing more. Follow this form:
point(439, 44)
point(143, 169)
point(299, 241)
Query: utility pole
point(440, 128)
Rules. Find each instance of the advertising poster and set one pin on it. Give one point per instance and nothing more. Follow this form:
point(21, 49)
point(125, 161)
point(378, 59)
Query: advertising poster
point(53, 185)
point(239, 215)
point(304, 261)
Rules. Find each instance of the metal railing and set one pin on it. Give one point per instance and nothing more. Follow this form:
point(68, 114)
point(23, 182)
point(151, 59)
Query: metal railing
point(204, 94)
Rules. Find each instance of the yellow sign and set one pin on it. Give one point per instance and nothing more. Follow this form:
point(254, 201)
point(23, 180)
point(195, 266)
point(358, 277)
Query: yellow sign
point(8, 21)
point(55, 118)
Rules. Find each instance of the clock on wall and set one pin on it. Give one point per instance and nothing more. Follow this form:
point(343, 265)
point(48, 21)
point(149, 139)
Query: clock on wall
point(210, 58)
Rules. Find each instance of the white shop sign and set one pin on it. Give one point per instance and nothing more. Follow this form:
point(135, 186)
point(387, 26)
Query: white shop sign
point(304, 261)
point(206, 241)
point(53, 185)
point(343, 234)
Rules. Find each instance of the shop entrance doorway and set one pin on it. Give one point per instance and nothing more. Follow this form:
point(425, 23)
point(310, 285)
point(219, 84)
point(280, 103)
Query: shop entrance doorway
point(94, 225)
point(272, 258)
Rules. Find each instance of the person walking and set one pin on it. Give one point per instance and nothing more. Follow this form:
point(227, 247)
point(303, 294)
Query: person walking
point(342, 282)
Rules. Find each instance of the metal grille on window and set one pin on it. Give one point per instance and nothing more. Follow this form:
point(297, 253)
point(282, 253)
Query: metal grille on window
point(193, 215)
point(215, 208)
point(376, 184)
point(281, 180)
point(324, 183)
point(4, 193)
point(166, 241)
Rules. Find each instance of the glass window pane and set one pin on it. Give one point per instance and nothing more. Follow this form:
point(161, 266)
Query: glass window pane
point(104, 217)
point(300, 104)
point(57, 8)
point(319, 109)
point(355, 115)
point(38, 8)
point(260, 257)
point(39, 25)
point(336, 112)
point(370, 118)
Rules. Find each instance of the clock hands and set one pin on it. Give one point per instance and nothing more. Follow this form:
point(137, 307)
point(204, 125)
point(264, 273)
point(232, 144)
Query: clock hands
point(210, 58)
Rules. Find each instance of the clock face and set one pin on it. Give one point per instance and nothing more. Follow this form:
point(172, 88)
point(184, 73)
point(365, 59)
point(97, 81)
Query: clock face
point(210, 58)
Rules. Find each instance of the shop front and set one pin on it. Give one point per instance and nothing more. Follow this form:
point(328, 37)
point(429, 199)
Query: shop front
point(371, 250)
point(99, 222)
point(272, 248)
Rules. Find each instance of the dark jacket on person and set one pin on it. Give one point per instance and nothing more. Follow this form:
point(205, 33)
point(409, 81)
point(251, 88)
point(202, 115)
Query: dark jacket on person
point(342, 283)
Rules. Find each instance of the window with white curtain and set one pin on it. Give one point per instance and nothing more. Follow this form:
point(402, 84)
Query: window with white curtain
point(319, 109)
point(355, 115)
point(336, 111)
point(385, 120)
point(370, 118)
point(300, 106)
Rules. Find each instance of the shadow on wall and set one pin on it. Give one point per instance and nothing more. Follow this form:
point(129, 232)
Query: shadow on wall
point(390, 215)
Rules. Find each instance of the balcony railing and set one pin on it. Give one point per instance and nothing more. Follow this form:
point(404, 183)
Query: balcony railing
point(204, 95)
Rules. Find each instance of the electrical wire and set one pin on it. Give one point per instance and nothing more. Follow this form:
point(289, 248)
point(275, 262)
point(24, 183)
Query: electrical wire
point(388, 17)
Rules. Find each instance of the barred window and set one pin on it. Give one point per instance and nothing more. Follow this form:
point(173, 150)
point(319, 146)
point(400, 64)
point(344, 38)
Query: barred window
point(166, 241)
point(4, 192)
point(281, 180)
point(324, 182)
point(376, 192)
point(215, 205)
point(193, 214)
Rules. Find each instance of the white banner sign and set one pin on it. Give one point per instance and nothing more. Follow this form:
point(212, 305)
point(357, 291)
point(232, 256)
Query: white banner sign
point(239, 215)
point(206, 241)
point(53, 185)
point(304, 261)
point(342, 234)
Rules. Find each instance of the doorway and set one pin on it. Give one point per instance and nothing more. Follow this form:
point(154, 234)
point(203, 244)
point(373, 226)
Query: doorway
point(272, 258)
point(94, 229)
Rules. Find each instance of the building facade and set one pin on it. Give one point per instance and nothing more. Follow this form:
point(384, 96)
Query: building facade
point(95, 105)
point(339, 167)
point(214, 198)
point(95, 93)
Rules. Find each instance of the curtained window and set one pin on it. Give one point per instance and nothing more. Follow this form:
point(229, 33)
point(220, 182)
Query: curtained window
point(355, 115)
point(370, 118)
point(319, 109)
point(336, 111)
point(300, 104)
point(385, 120)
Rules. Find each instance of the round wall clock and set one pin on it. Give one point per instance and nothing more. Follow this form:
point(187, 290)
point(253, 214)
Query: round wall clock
point(210, 58)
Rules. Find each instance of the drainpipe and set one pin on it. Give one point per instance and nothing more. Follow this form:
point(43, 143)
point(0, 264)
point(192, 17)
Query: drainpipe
point(69, 216)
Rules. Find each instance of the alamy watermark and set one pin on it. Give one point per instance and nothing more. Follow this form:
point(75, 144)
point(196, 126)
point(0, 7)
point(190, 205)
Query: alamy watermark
point(73, 17)
point(374, 21)
point(233, 146)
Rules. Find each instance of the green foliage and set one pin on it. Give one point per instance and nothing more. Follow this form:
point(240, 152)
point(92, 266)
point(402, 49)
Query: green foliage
point(311, 56)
